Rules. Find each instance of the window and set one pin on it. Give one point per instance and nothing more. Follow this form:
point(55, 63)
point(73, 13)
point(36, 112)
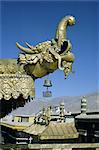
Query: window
point(24, 119)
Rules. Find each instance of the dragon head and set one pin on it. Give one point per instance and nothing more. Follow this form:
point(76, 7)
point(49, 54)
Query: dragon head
point(46, 57)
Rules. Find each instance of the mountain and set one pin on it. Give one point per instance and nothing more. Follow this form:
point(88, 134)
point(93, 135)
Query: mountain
point(72, 104)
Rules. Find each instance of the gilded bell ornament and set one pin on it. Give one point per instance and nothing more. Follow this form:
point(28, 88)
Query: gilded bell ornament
point(47, 83)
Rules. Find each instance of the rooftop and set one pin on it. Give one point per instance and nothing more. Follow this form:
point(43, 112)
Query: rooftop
point(53, 131)
point(85, 116)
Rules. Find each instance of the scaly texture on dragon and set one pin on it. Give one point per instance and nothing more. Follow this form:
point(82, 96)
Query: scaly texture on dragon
point(48, 56)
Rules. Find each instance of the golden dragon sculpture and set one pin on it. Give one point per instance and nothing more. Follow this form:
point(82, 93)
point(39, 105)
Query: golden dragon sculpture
point(48, 56)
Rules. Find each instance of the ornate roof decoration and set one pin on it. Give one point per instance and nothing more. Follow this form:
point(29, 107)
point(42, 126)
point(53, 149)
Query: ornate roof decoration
point(13, 80)
point(12, 85)
point(10, 66)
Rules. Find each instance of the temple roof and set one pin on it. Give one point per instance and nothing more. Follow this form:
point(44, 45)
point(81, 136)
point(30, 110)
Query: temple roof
point(14, 85)
point(14, 81)
point(15, 125)
point(53, 131)
point(10, 66)
point(87, 117)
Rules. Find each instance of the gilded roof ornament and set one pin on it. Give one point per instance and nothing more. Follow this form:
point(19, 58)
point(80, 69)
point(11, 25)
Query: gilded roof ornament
point(48, 56)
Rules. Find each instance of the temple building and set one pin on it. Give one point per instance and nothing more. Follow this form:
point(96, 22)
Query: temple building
point(45, 126)
point(87, 124)
point(40, 123)
point(49, 124)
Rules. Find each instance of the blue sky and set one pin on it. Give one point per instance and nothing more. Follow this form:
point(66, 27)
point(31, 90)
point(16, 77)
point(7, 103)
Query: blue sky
point(36, 22)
